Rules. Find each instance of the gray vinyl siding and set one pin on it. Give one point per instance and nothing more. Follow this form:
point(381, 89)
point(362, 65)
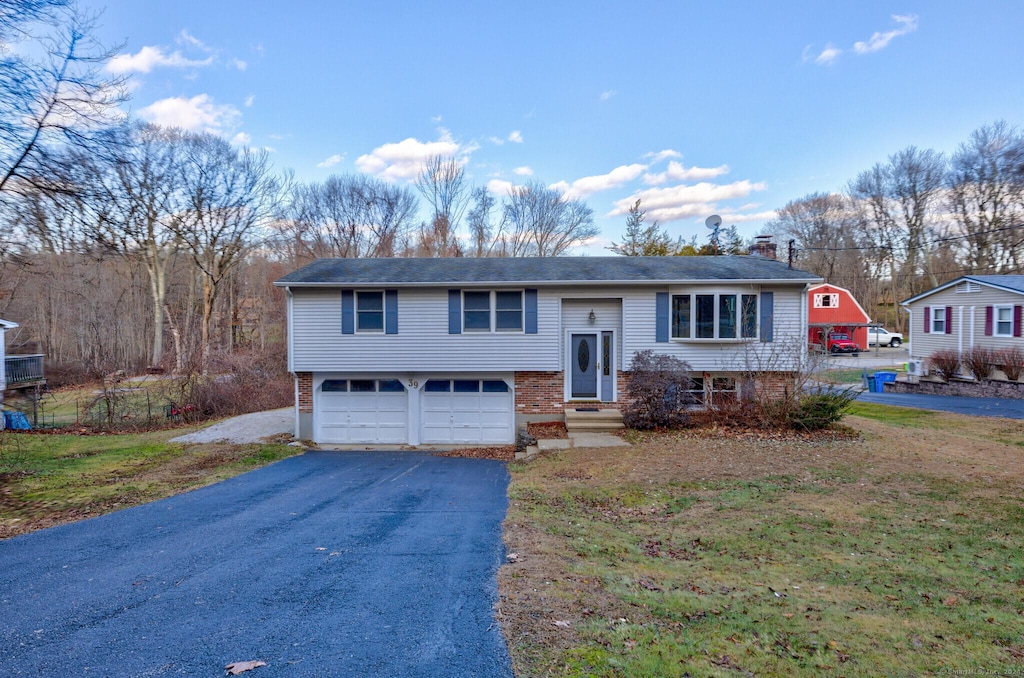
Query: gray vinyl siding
point(784, 353)
point(961, 338)
point(422, 343)
point(576, 318)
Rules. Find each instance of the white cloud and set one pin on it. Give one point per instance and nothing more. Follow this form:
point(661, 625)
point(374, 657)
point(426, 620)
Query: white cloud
point(828, 55)
point(148, 58)
point(677, 172)
point(523, 171)
point(249, 100)
point(740, 218)
point(331, 161)
point(662, 155)
point(188, 39)
point(199, 113)
point(497, 141)
point(239, 64)
point(241, 139)
point(515, 136)
point(500, 187)
point(436, 119)
point(685, 201)
point(607, 94)
point(601, 182)
point(404, 160)
point(879, 41)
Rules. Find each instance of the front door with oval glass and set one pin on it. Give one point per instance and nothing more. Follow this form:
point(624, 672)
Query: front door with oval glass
point(584, 357)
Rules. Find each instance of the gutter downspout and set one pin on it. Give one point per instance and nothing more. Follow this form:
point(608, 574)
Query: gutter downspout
point(291, 357)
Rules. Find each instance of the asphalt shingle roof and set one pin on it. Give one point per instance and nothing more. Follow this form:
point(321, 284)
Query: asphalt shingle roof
point(1010, 282)
point(1013, 283)
point(539, 270)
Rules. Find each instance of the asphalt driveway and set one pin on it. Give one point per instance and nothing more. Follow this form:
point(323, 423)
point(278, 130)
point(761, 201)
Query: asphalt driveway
point(326, 564)
point(1009, 408)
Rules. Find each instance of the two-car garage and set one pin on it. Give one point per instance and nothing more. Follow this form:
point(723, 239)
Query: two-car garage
point(402, 410)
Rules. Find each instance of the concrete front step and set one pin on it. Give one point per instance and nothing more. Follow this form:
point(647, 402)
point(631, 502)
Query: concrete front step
point(586, 439)
point(587, 420)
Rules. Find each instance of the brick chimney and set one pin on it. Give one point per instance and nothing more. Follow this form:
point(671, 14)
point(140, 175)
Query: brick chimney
point(764, 247)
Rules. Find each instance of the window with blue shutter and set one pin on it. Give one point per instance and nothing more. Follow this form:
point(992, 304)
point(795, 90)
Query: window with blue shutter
point(454, 311)
point(348, 312)
point(767, 316)
point(661, 317)
point(391, 311)
point(530, 312)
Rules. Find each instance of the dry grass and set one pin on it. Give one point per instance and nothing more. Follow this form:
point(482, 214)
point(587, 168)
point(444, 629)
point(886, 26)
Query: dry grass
point(894, 547)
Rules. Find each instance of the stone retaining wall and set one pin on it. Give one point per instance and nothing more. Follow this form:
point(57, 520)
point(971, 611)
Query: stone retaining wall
point(985, 389)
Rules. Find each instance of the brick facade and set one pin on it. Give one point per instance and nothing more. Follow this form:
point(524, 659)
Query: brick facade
point(305, 380)
point(539, 393)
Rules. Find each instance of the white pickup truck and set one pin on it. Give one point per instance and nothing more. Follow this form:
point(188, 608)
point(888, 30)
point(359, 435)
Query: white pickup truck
point(883, 337)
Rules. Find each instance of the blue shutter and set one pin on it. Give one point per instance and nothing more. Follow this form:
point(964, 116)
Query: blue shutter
point(391, 311)
point(454, 311)
point(348, 312)
point(661, 317)
point(767, 316)
point(530, 312)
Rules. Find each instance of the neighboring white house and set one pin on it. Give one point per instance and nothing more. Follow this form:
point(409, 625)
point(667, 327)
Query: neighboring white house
point(443, 351)
point(973, 310)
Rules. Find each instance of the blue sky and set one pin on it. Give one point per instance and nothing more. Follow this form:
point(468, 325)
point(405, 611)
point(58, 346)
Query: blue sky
point(696, 108)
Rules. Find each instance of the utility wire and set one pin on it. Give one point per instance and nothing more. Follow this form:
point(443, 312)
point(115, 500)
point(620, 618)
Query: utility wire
point(923, 245)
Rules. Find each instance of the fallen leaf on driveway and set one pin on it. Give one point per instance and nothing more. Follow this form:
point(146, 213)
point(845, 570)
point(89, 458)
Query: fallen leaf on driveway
point(242, 667)
point(563, 624)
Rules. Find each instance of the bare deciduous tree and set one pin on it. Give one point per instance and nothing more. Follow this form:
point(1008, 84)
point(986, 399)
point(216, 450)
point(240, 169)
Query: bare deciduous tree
point(57, 100)
point(350, 216)
point(538, 221)
point(986, 196)
point(442, 183)
point(231, 198)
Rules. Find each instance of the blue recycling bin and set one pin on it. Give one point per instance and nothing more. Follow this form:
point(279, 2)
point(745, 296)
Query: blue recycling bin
point(882, 378)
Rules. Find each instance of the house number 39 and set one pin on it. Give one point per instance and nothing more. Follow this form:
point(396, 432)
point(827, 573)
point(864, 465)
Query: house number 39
point(413, 383)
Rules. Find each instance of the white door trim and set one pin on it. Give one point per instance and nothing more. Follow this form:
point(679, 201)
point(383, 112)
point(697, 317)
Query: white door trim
point(567, 365)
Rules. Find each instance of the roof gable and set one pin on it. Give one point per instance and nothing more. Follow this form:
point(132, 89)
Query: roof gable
point(837, 288)
point(543, 270)
point(1008, 283)
point(7, 324)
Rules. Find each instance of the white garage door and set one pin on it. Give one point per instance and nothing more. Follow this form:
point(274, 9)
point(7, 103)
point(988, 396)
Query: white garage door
point(467, 411)
point(362, 411)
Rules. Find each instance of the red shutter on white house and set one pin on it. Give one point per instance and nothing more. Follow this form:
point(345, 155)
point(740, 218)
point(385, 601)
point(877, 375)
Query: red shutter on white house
point(1017, 310)
point(949, 320)
point(927, 319)
point(988, 321)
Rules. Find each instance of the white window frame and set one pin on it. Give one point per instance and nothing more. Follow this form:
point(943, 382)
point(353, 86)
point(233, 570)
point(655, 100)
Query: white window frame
point(938, 316)
point(819, 300)
point(995, 320)
point(383, 311)
point(693, 294)
point(492, 313)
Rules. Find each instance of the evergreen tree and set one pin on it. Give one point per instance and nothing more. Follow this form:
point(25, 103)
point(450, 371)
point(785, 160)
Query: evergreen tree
point(643, 241)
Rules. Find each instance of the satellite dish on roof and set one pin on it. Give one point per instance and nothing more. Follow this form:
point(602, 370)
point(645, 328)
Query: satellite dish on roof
point(713, 222)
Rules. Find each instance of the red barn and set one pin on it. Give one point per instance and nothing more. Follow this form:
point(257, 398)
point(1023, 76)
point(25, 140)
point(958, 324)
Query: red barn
point(832, 309)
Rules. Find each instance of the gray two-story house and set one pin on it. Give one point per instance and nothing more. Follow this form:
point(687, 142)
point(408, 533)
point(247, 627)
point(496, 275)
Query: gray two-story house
point(461, 351)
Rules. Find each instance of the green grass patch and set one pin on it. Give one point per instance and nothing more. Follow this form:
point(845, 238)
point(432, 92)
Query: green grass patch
point(889, 574)
point(897, 416)
point(49, 479)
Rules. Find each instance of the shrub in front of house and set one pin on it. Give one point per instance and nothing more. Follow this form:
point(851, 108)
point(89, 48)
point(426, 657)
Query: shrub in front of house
point(816, 411)
point(659, 389)
point(1012, 361)
point(980, 361)
point(945, 363)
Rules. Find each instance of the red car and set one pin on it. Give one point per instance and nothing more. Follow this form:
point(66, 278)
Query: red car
point(838, 342)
